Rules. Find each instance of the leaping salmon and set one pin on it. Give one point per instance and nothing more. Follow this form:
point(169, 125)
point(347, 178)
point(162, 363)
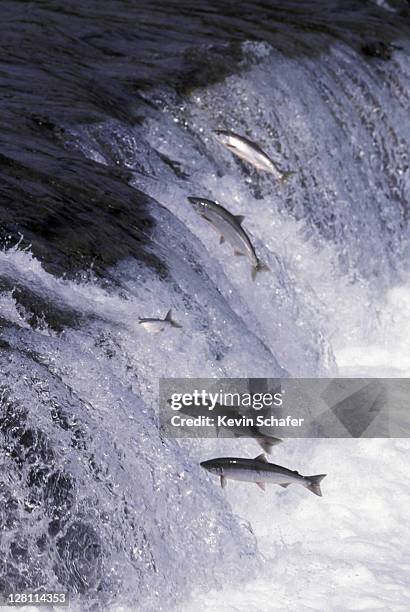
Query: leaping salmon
point(261, 472)
point(251, 153)
point(155, 326)
point(229, 227)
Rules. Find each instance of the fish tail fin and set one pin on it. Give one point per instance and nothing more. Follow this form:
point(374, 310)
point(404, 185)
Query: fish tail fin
point(259, 267)
point(286, 175)
point(267, 443)
point(171, 320)
point(314, 484)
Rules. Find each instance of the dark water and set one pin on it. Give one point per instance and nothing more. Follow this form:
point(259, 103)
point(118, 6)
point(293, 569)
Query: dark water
point(93, 500)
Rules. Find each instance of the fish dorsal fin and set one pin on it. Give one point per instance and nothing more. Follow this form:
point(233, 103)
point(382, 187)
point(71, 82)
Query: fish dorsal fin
point(285, 485)
point(261, 457)
point(240, 219)
point(168, 316)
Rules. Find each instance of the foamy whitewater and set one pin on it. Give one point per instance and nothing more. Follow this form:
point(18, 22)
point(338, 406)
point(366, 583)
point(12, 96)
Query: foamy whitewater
point(156, 531)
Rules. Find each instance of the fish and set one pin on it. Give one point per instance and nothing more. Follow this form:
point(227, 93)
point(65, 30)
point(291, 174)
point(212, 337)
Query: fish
point(261, 472)
point(251, 153)
point(154, 326)
point(229, 227)
point(265, 441)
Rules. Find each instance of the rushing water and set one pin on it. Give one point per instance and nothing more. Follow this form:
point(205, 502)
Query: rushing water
point(108, 112)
